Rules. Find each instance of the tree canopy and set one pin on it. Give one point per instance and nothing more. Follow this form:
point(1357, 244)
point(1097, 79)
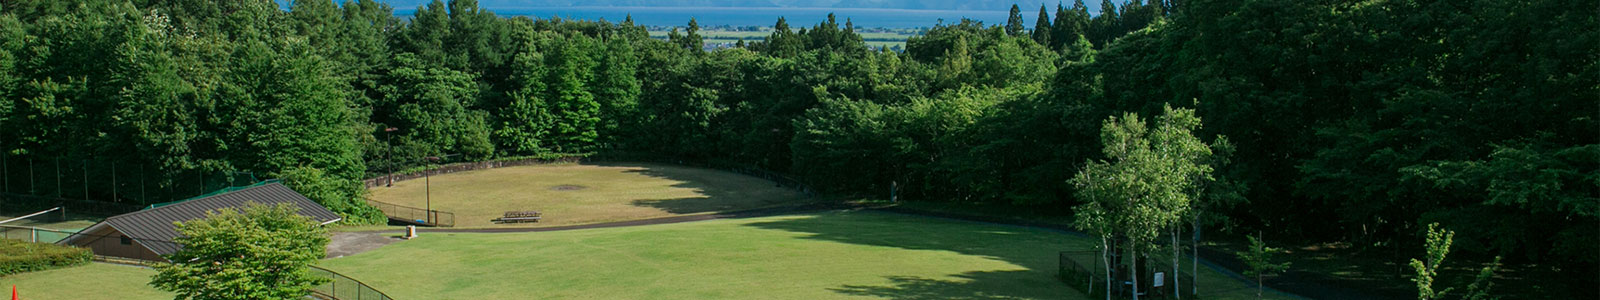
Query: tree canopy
point(259, 252)
point(1350, 121)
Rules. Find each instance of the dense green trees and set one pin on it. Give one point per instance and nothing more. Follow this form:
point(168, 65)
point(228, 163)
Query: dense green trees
point(1357, 120)
point(259, 252)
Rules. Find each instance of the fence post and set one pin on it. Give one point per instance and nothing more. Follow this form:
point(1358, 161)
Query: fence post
point(114, 182)
point(142, 195)
point(34, 232)
point(86, 180)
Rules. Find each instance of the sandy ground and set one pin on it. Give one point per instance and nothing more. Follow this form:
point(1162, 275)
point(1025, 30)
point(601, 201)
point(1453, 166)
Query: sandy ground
point(351, 243)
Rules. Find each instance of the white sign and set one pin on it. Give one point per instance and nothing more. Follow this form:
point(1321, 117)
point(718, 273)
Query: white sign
point(1161, 279)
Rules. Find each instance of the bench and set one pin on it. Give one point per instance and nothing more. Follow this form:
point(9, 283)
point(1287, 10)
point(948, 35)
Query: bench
point(519, 217)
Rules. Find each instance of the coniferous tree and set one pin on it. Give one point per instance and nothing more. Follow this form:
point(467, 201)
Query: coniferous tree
point(783, 42)
point(1014, 22)
point(1070, 22)
point(693, 41)
point(1105, 27)
point(525, 123)
point(1041, 28)
point(618, 90)
point(573, 106)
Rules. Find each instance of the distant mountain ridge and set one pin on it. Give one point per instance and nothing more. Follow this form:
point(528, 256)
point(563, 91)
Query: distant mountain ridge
point(1028, 6)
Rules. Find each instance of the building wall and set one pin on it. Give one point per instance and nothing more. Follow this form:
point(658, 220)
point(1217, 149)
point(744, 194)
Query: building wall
point(109, 242)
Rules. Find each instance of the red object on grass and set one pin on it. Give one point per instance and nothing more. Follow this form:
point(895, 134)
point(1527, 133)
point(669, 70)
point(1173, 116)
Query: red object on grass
point(14, 292)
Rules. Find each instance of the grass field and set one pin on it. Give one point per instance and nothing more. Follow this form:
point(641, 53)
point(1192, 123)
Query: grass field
point(587, 193)
point(815, 256)
point(89, 282)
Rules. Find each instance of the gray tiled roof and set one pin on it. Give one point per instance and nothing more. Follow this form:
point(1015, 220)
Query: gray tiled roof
point(157, 223)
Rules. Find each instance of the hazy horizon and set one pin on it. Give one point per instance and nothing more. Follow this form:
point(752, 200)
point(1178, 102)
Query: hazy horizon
point(869, 14)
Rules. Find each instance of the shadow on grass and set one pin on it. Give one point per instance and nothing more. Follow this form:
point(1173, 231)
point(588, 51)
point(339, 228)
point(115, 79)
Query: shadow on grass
point(1033, 250)
point(717, 197)
point(970, 285)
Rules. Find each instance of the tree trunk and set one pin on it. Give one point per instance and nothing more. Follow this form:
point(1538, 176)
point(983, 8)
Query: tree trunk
point(1133, 269)
point(1175, 252)
point(1105, 255)
point(1195, 288)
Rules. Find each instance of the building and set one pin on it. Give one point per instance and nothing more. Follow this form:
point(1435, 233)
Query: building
point(149, 234)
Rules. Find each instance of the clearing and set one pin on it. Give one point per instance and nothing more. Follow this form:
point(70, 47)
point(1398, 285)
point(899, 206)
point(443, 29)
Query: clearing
point(570, 194)
point(838, 254)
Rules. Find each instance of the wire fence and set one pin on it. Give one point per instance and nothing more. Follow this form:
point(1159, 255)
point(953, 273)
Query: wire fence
point(106, 180)
point(1085, 271)
point(415, 215)
point(342, 287)
point(14, 204)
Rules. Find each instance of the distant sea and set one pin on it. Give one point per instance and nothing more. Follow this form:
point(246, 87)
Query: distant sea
point(797, 17)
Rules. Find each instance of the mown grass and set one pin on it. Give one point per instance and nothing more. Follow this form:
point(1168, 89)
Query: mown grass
point(844, 254)
point(87, 282)
point(587, 193)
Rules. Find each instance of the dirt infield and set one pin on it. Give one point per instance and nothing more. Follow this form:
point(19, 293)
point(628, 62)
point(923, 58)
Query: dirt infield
point(575, 194)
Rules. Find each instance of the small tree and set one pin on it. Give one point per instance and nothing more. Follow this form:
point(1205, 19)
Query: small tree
point(1258, 260)
point(1145, 184)
point(1437, 245)
point(260, 253)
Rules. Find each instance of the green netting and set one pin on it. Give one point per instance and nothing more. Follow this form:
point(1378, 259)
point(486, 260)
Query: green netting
point(34, 234)
point(214, 193)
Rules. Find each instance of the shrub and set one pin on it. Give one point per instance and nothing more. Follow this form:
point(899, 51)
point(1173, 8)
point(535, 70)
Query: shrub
point(20, 256)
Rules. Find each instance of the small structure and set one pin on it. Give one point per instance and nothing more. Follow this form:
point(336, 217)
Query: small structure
point(519, 217)
point(149, 234)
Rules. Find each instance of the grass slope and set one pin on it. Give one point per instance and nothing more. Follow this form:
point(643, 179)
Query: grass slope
point(88, 282)
point(824, 255)
point(609, 192)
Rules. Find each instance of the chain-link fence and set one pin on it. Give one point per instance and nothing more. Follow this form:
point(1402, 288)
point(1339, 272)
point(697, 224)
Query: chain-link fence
point(104, 180)
point(34, 234)
point(14, 204)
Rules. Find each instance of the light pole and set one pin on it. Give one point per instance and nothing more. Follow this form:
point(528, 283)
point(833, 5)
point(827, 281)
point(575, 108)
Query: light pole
point(388, 136)
point(427, 189)
point(427, 186)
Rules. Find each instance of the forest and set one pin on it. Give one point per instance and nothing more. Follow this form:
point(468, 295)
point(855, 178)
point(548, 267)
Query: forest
point(1330, 120)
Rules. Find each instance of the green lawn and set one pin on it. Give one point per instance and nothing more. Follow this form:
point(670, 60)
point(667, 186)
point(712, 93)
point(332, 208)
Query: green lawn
point(92, 281)
point(824, 255)
point(587, 193)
